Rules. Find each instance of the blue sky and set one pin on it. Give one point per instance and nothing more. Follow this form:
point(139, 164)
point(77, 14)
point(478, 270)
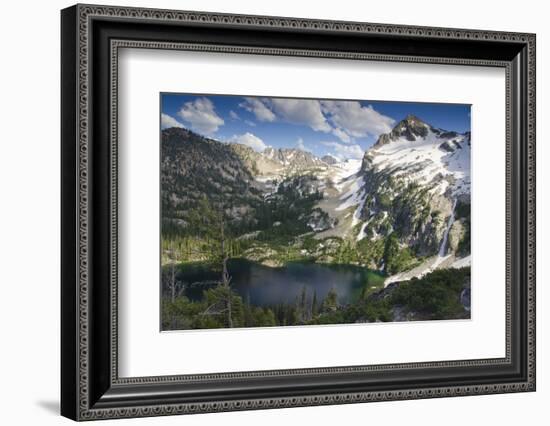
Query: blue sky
point(344, 129)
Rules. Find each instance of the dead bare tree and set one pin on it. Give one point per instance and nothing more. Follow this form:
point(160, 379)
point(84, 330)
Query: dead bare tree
point(223, 304)
point(226, 279)
point(176, 289)
point(172, 275)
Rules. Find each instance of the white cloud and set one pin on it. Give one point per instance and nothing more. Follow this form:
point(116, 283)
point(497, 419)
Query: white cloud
point(340, 134)
point(258, 108)
point(202, 116)
point(356, 120)
point(344, 119)
point(301, 146)
point(297, 111)
point(250, 140)
point(234, 115)
point(167, 121)
point(250, 123)
point(342, 151)
point(301, 111)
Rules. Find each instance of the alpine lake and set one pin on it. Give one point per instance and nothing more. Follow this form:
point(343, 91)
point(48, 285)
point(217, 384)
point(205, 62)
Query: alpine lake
point(264, 286)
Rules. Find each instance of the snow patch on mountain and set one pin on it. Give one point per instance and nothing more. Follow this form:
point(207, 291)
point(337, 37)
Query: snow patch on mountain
point(462, 262)
point(424, 161)
point(353, 195)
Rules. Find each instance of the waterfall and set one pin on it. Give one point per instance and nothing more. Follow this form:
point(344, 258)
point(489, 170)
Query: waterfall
point(443, 247)
point(435, 261)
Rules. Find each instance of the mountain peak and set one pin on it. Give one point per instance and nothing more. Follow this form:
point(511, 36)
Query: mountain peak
point(413, 119)
point(410, 128)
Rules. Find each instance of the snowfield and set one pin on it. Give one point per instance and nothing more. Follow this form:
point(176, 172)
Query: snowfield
point(426, 162)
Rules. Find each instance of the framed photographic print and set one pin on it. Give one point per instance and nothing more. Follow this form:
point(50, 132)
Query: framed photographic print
point(263, 212)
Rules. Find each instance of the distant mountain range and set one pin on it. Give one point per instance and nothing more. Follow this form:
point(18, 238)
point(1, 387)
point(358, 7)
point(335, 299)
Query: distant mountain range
point(412, 185)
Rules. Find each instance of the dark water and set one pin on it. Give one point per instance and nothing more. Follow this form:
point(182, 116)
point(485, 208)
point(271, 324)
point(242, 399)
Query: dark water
point(262, 285)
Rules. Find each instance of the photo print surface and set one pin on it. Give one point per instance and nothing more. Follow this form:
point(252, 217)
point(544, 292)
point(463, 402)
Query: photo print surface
point(298, 212)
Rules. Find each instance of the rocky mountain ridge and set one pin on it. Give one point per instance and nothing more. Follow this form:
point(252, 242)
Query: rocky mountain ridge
point(280, 161)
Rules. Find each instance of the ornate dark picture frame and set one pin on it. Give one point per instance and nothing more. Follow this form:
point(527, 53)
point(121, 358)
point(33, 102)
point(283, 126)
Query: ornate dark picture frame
point(90, 385)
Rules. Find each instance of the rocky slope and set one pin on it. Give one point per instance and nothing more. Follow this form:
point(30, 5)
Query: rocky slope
point(195, 169)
